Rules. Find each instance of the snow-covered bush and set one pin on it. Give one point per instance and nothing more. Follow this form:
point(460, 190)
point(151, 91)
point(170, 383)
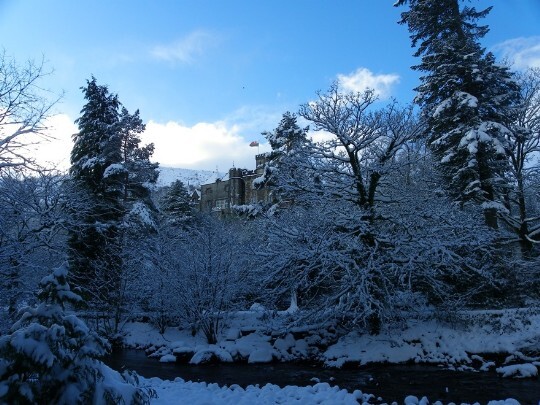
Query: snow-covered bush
point(52, 357)
point(214, 277)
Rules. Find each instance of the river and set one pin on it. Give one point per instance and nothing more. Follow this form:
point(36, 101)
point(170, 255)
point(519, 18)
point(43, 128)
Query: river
point(390, 382)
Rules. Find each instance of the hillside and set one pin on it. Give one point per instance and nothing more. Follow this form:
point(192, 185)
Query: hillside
point(189, 177)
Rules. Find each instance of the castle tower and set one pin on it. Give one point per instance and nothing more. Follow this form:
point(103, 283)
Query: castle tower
point(260, 161)
point(236, 189)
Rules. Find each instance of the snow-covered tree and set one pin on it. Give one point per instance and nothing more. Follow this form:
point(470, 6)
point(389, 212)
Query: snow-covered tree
point(354, 249)
point(32, 238)
point(176, 204)
point(523, 217)
point(96, 168)
point(465, 97)
point(422, 251)
point(316, 254)
point(213, 277)
point(287, 142)
point(140, 174)
point(158, 276)
point(24, 107)
point(115, 176)
point(51, 356)
point(362, 145)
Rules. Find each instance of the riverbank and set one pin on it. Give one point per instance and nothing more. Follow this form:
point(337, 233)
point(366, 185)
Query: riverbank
point(383, 383)
point(496, 346)
point(507, 342)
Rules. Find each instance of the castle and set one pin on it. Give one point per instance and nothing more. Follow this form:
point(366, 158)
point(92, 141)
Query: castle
point(234, 189)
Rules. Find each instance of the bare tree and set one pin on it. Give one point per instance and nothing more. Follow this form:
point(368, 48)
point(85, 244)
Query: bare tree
point(524, 145)
point(32, 236)
point(363, 145)
point(24, 106)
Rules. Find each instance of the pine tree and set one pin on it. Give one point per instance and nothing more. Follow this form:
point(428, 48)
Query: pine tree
point(96, 169)
point(176, 204)
point(287, 141)
point(140, 173)
point(52, 357)
point(465, 97)
point(115, 179)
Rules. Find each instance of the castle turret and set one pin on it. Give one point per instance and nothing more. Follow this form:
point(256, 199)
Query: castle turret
point(260, 161)
point(237, 187)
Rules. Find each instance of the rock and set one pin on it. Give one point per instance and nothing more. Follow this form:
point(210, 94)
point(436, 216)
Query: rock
point(233, 334)
point(168, 358)
point(261, 356)
point(526, 370)
point(211, 355)
point(183, 354)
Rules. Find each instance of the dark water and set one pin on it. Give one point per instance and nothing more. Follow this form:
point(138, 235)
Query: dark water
point(390, 382)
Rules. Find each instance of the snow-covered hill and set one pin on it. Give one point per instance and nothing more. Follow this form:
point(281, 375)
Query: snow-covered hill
point(188, 176)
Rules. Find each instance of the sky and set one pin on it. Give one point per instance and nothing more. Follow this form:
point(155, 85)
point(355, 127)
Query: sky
point(209, 76)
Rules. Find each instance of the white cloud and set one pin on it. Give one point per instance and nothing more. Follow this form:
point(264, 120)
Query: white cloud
point(524, 52)
point(201, 146)
point(53, 150)
point(186, 49)
point(363, 79)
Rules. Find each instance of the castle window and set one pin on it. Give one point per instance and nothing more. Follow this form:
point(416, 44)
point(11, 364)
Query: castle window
point(221, 204)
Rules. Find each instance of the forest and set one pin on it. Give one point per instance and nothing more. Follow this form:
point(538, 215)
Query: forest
point(409, 211)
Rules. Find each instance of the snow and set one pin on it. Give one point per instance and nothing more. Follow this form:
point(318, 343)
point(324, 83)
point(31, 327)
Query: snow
point(263, 355)
point(412, 400)
point(456, 347)
point(257, 307)
point(494, 205)
point(113, 170)
point(518, 371)
point(141, 211)
point(180, 392)
point(168, 358)
point(446, 158)
point(430, 341)
point(258, 182)
point(441, 107)
point(434, 342)
point(167, 175)
point(211, 353)
point(466, 100)
point(284, 344)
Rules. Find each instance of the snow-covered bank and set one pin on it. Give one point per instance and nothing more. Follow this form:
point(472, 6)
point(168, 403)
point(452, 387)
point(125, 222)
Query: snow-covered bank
point(457, 346)
point(485, 340)
point(181, 392)
point(506, 342)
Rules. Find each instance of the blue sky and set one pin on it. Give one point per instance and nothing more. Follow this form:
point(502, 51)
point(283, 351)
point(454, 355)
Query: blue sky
point(209, 76)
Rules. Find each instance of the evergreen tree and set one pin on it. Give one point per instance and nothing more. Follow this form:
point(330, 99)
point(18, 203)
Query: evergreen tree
point(115, 179)
point(97, 170)
point(52, 357)
point(465, 97)
point(140, 173)
point(288, 140)
point(176, 204)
